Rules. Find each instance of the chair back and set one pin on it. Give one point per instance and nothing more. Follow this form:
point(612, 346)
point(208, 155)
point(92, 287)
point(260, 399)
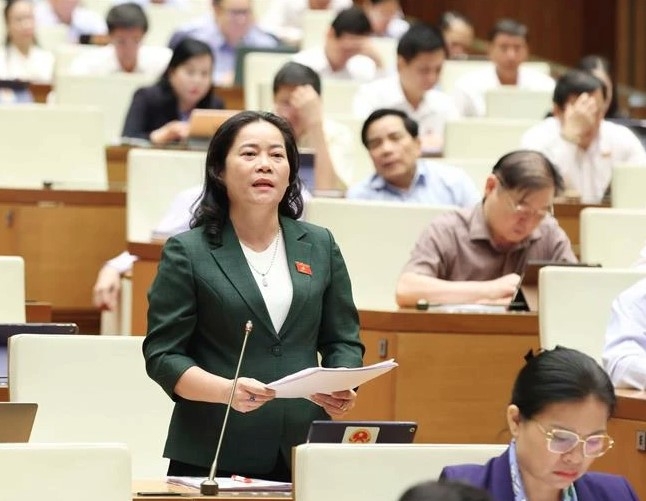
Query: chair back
point(65, 472)
point(574, 305)
point(512, 102)
point(627, 186)
point(323, 472)
point(375, 239)
point(62, 145)
point(260, 67)
point(163, 20)
point(92, 389)
point(12, 278)
point(155, 177)
point(612, 237)
point(478, 169)
point(316, 23)
point(483, 137)
point(112, 94)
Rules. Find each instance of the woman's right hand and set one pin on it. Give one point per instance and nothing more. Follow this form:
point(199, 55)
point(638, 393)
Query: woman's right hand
point(172, 131)
point(250, 394)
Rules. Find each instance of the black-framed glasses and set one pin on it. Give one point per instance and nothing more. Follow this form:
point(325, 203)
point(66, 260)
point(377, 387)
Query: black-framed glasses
point(521, 208)
point(563, 441)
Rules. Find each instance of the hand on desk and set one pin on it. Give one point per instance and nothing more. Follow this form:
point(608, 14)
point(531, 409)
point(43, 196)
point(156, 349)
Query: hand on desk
point(501, 290)
point(337, 403)
point(250, 395)
point(105, 293)
point(172, 131)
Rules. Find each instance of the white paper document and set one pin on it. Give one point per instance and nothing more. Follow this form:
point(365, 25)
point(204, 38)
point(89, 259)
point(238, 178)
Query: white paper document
point(304, 383)
point(231, 484)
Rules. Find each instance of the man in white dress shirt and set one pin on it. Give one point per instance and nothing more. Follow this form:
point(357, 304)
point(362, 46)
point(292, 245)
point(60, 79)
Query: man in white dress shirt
point(79, 20)
point(582, 145)
point(284, 18)
point(508, 49)
point(624, 354)
point(348, 52)
point(420, 55)
point(127, 26)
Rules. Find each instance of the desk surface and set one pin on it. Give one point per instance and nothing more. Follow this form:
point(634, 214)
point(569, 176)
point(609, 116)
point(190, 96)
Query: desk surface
point(160, 486)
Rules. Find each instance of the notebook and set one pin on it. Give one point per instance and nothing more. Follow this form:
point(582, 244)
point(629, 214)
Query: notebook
point(16, 421)
point(362, 432)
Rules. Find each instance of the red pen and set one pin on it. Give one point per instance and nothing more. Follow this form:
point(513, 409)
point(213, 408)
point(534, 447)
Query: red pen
point(238, 478)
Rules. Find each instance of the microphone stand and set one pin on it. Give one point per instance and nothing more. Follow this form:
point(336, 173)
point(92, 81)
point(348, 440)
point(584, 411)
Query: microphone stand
point(210, 487)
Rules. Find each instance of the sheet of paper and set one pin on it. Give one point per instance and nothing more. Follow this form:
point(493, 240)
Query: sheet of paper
point(304, 383)
point(229, 484)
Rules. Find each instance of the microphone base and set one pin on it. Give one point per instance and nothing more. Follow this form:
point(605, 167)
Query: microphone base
point(209, 488)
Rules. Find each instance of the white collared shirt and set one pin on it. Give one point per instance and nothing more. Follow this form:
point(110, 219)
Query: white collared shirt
point(103, 61)
point(84, 21)
point(435, 109)
point(284, 18)
point(470, 90)
point(624, 354)
point(359, 68)
point(587, 171)
point(36, 66)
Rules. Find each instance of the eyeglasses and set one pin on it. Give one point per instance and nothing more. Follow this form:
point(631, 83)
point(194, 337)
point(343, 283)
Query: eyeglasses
point(522, 209)
point(564, 441)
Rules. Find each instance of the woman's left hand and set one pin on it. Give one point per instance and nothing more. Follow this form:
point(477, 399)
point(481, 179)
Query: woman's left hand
point(337, 403)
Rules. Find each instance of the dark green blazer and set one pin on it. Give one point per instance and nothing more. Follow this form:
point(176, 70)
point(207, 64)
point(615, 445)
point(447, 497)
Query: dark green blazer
point(198, 306)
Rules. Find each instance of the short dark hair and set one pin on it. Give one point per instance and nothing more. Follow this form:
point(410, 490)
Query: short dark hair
point(292, 73)
point(351, 21)
point(527, 170)
point(420, 37)
point(445, 490)
point(560, 375)
point(507, 26)
point(213, 210)
point(450, 16)
point(575, 83)
point(126, 15)
point(410, 124)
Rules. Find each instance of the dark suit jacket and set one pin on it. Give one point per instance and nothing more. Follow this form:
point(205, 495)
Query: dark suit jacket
point(495, 477)
point(198, 306)
point(153, 107)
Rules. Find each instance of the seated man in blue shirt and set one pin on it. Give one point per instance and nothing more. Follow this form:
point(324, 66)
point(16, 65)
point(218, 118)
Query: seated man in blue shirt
point(391, 138)
point(232, 26)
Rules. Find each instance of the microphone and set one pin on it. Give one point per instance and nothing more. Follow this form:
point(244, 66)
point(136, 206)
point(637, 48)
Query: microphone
point(210, 487)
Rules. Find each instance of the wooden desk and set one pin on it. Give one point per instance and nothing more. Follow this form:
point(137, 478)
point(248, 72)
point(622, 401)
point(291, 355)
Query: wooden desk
point(455, 371)
point(162, 486)
point(64, 237)
point(625, 458)
point(568, 216)
point(143, 274)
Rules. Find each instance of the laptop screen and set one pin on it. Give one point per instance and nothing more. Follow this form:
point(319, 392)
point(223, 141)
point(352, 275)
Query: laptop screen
point(306, 169)
point(362, 432)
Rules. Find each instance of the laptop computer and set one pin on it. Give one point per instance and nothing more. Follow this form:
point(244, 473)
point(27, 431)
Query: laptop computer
point(16, 421)
point(362, 432)
point(526, 295)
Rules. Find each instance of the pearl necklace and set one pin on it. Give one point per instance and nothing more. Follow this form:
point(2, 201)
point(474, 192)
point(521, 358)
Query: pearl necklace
point(273, 258)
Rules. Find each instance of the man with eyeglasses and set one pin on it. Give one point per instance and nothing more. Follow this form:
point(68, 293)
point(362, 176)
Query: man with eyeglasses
point(233, 26)
point(477, 255)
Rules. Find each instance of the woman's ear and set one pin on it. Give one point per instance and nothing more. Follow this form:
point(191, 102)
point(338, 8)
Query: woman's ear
point(513, 420)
